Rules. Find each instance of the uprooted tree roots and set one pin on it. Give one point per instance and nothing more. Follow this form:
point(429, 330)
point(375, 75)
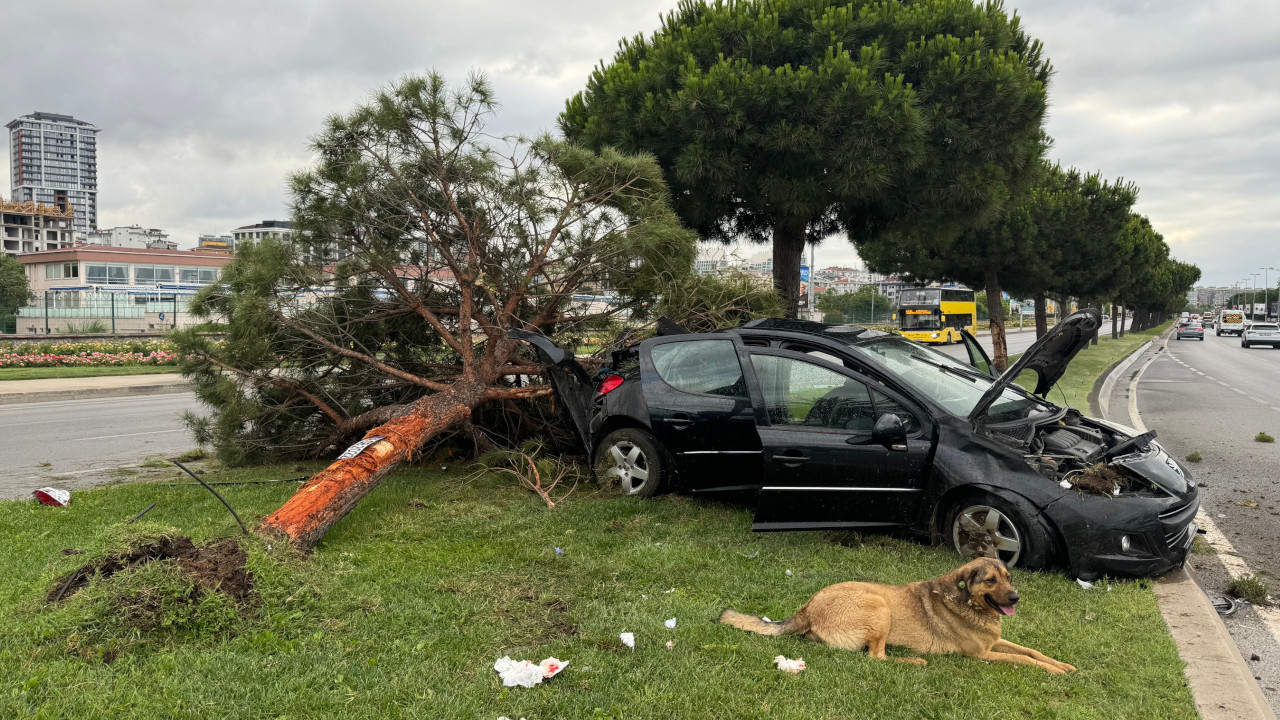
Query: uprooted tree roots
point(218, 566)
point(1100, 479)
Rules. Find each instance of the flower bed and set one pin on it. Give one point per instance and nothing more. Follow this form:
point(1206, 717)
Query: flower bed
point(99, 359)
point(64, 347)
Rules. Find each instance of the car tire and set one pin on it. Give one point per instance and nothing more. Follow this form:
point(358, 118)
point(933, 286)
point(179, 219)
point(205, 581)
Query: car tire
point(1244, 344)
point(1015, 521)
point(634, 459)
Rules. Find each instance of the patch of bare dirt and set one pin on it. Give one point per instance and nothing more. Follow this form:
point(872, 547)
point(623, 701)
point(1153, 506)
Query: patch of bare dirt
point(216, 566)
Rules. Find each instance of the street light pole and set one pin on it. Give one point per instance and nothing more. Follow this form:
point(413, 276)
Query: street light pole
point(1266, 292)
point(1253, 296)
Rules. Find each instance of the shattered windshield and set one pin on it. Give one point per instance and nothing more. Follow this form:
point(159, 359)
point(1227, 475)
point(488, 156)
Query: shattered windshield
point(955, 385)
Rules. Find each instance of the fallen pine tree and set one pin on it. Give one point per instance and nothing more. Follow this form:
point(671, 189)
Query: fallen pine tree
point(420, 240)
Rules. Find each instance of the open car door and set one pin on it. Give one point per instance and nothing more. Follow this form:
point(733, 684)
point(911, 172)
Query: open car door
point(569, 380)
point(978, 357)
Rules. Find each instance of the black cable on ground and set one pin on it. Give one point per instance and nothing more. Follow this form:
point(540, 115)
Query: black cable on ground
point(139, 515)
point(215, 494)
point(242, 482)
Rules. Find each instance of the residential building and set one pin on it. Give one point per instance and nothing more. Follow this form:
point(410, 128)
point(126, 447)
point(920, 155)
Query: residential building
point(54, 161)
point(131, 236)
point(215, 245)
point(129, 289)
point(28, 227)
point(265, 229)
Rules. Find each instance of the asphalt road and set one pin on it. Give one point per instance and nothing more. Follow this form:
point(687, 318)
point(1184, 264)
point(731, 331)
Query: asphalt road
point(1213, 397)
point(84, 440)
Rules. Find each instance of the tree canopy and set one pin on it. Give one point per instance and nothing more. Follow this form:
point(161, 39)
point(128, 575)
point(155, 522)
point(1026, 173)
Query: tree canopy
point(15, 290)
point(789, 120)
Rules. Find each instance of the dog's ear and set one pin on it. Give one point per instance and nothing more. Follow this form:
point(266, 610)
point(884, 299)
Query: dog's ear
point(964, 582)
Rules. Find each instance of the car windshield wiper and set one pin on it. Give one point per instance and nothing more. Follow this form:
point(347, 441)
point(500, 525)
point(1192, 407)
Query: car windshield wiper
point(971, 375)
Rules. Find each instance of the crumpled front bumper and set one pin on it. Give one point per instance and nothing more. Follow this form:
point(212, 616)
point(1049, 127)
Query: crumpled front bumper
point(1160, 531)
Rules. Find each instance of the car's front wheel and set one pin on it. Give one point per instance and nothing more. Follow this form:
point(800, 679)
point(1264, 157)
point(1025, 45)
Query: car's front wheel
point(632, 458)
point(983, 525)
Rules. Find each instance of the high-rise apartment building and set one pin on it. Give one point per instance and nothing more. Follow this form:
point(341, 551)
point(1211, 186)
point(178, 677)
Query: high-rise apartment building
point(53, 160)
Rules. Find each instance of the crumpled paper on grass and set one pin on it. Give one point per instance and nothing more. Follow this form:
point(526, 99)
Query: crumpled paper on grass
point(786, 665)
point(55, 497)
point(523, 673)
point(628, 639)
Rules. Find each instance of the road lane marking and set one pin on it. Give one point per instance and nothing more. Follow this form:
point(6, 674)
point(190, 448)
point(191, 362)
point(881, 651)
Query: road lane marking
point(108, 437)
point(1260, 401)
point(1238, 390)
point(1222, 383)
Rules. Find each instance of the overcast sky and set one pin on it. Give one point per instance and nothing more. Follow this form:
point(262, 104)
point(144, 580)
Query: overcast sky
point(206, 107)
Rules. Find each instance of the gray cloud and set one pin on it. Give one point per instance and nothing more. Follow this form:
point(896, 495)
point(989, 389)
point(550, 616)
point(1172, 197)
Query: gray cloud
point(206, 107)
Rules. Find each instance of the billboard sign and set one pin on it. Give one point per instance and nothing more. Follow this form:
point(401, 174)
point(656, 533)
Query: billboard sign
point(804, 287)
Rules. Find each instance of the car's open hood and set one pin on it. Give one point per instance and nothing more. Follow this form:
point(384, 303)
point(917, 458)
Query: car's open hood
point(1048, 357)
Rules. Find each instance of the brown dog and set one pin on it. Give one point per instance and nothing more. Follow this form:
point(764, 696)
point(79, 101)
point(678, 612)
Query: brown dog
point(959, 612)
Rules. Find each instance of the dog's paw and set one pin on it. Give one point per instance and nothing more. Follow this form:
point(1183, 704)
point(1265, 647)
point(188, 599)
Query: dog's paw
point(913, 660)
point(1067, 668)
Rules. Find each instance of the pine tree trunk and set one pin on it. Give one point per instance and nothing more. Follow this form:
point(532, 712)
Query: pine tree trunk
point(995, 310)
point(330, 494)
point(1042, 316)
point(788, 255)
point(1122, 310)
point(1113, 322)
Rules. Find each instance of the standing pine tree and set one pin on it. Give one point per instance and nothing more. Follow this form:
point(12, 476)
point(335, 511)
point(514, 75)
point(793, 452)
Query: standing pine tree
point(785, 121)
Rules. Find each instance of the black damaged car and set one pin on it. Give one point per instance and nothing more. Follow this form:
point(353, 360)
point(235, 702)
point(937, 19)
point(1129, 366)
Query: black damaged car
point(842, 427)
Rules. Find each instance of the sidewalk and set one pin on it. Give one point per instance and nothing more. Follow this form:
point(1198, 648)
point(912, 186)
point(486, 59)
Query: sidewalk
point(1221, 683)
point(28, 391)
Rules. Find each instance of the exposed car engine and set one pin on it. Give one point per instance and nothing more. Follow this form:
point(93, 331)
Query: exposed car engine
point(1072, 452)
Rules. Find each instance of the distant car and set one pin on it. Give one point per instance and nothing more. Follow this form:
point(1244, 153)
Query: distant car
point(1261, 333)
point(1193, 330)
point(1230, 322)
point(825, 427)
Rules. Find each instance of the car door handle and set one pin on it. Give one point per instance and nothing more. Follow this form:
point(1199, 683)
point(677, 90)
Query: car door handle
point(680, 421)
point(791, 458)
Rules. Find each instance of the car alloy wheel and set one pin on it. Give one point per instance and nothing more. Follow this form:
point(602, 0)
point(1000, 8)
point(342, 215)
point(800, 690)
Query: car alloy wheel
point(629, 465)
point(983, 531)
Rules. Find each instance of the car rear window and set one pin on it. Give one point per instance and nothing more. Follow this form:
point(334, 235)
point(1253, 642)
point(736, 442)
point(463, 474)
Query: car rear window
point(1262, 326)
point(709, 367)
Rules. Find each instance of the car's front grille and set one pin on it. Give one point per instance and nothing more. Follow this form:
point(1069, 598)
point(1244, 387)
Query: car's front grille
point(1177, 524)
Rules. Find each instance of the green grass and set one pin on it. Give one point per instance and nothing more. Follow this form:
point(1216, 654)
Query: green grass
point(1249, 588)
point(1263, 437)
point(80, 371)
point(404, 607)
point(1194, 457)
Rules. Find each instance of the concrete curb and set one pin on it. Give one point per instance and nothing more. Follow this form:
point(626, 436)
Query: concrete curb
point(82, 394)
point(1109, 378)
point(1221, 683)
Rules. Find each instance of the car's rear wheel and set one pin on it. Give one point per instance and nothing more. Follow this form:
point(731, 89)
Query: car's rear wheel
point(632, 458)
point(984, 525)
point(1244, 344)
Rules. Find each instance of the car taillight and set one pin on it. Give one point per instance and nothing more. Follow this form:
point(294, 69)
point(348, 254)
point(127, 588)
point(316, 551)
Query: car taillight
point(608, 385)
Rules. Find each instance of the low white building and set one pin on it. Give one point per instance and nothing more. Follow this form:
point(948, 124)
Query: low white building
point(131, 236)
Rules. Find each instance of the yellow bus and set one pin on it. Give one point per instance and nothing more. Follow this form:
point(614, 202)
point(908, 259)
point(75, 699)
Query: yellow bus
point(935, 315)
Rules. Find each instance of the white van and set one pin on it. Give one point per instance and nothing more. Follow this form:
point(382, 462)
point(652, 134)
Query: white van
point(1230, 322)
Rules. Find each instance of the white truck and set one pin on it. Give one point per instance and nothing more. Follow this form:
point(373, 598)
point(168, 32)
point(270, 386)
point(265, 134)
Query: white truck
point(1230, 322)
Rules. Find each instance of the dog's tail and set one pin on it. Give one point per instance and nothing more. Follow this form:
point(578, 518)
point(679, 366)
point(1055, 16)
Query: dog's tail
point(798, 624)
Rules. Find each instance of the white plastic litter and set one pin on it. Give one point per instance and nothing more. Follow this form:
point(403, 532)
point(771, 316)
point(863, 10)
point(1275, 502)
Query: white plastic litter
point(786, 665)
point(1085, 584)
point(788, 573)
point(670, 623)
point(523, 673)
point(668, 592)
point(56, 497)
point(1065, 484)
point(628, 639)
point(766, 618)
point(504, 717)
point(671, 644)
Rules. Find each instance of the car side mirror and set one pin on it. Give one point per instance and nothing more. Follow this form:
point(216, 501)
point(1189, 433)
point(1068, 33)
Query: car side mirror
point(890, 432)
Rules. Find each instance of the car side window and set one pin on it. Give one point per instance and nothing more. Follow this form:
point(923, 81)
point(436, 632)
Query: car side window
point(708, 367)
point(804, 394)
point(886, 405)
